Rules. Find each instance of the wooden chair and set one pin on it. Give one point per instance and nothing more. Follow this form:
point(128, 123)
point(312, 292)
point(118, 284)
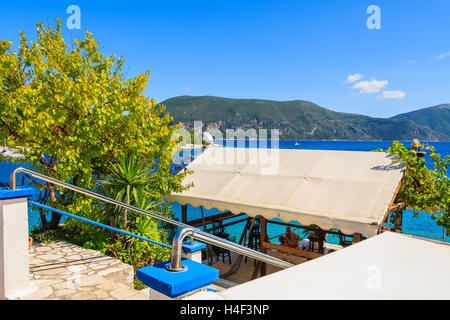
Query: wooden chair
point(342, 241)
point(314, 238)
point(254, 240)
point(219, 231)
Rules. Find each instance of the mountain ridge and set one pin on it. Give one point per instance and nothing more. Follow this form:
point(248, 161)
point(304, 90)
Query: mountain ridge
point(298, 119)
point(436, 117)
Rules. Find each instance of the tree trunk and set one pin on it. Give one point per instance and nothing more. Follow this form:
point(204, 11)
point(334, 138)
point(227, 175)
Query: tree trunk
point(56, 217)
point(112, 223)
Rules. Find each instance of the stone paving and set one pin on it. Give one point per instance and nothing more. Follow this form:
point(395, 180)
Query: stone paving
point(61, 270)
point(64, 271)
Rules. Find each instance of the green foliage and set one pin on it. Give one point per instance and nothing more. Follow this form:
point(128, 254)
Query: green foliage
point(424, 189)
point(138, 285)
point(49, 236)
point(73, 233)
point(131, 181)
point(82, 121)
point(76, 112)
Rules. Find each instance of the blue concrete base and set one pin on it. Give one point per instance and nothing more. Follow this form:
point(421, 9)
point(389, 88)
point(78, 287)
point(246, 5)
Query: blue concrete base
point(174, 284)
point(191, 247)
point(5, 193)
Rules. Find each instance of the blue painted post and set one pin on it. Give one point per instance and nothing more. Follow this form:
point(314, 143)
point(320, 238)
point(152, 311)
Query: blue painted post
point(14, 267)
point(165, 284)
point(193, 250)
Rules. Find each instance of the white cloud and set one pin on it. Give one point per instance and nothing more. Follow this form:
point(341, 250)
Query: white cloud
point(394, 94)
point(443, 55)
point(354, 77)
point(372, 86)
point(188, 89)
point(412, 61)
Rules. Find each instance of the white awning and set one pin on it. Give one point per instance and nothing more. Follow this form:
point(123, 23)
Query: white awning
point(388, 266)
point(348, 190)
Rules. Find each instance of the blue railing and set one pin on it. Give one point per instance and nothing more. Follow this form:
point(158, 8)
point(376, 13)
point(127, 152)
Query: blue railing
point(97, 224)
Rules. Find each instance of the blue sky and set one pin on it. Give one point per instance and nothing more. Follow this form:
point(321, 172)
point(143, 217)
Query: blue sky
point(280, 50)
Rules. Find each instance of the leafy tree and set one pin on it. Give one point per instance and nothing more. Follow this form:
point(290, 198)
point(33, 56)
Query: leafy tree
point(423, 189)
point(75, 113)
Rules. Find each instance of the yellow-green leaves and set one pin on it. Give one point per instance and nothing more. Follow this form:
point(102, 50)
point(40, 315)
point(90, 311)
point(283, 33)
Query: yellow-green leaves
point(68, 102)
point(425, 188)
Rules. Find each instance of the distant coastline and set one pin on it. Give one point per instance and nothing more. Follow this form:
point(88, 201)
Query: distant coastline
point(339, 140)
point(301, 119)
point(12, 152)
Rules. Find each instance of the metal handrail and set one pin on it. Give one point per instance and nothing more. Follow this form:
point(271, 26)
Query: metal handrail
point(424, 235)
point(98, 224)
point(193, 233)
point(196, 233)
point(69, 186)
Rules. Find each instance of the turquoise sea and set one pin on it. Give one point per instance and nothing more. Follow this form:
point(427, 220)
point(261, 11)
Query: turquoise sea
point(421, 225)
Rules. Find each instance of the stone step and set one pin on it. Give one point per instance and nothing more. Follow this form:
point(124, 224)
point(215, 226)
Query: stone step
point(64, 260)
point(86, 288)
point(64, 271)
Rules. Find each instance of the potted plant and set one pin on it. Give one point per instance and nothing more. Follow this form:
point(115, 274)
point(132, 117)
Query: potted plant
point(30, 242)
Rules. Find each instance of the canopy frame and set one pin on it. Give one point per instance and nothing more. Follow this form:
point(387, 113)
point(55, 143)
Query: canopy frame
point(304, 175)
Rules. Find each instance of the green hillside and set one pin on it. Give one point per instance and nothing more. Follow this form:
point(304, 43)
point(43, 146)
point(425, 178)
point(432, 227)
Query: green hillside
point(296, 119)
point(436, 118)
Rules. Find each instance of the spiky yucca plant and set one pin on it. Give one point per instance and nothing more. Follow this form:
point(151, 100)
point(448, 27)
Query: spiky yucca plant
point(130, 181)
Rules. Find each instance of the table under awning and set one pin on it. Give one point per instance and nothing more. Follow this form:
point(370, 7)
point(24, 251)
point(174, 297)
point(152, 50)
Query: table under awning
point(348, 190)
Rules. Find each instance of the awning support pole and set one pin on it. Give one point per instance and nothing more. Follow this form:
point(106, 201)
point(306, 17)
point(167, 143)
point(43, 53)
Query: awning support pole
point(263, 236)
point(184, 213)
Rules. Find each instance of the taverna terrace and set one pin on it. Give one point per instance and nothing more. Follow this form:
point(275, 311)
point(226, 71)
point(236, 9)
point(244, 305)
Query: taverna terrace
point(345, 194)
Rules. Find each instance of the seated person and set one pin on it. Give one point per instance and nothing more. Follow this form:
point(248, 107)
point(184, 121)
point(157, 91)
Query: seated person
point(292, 238)
point(305, 244)
point(283, 241)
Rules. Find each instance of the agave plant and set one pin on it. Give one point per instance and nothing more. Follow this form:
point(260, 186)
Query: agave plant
point(130, 182)
point(146, 226)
